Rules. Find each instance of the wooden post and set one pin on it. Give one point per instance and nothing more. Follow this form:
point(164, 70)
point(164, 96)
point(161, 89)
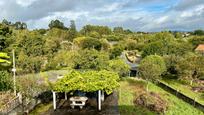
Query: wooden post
point(20, 98)
point(14, 73)
point(102, 96)
point(194, 103)
point(54, 100)
point(65, 95)
point(99, 100)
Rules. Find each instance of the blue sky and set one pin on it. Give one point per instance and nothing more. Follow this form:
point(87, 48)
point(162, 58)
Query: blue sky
point(137, 15)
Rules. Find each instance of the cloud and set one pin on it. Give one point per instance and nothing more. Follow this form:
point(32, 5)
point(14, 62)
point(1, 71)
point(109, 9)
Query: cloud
point(187, 4)
point(23, 3)
point(138, 15)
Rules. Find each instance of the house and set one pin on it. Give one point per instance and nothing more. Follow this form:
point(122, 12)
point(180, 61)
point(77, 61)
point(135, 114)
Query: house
point(133, 64)
point(200, 49)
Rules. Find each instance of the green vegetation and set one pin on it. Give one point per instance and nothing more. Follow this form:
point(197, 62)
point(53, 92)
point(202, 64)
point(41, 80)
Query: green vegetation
point(185, 89)
point(128, 91)
point(4, 58)
point(95, 51)
point(151, 68)
point(131, 88)
point(89, 81)
point(41, 109)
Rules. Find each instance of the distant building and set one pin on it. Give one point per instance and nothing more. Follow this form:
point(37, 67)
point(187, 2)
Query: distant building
point(186, 34)
point(133, 64)
point(200, 49)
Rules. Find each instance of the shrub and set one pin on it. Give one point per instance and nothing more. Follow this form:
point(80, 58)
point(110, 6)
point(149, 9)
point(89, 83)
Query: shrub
point(5, 81)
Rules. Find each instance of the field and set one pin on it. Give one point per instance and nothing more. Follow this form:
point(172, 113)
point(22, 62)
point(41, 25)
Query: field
point(130, 88)
point(185, 89)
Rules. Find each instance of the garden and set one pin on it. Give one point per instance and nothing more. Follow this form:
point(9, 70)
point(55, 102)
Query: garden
point(58, 61)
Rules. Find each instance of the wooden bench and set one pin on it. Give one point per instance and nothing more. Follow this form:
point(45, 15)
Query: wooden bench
point(78, 101)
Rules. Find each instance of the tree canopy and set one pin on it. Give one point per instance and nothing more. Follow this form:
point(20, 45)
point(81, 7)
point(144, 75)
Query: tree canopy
point(89, 81)
point(151, 67)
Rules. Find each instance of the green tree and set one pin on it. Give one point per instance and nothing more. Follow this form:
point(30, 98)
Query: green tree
point(92, 59)
point(62, 59)
point(151, 68)
point(198, 32)
point(196, 40)
point(178, 35)
point(131, 44)
point(29, 64)
point(102, 30)
point(91, 43)
point(171, 63)
point(56, 24)
point(20, 25)
point(119, 66)
point(88, 43)
point(118, 30)
point(72, 31)
point(116, 51)
point(5, 81)
point(31, 44)
point(105, 45)
point(191, 67)
point(6, 22)
point(94, 34)
point(161, 48)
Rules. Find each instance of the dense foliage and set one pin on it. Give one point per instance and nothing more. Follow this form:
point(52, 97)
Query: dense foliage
point(5, 81)
point(99, 47)
point(89, 81)
point(152, 67)
point(119, 66)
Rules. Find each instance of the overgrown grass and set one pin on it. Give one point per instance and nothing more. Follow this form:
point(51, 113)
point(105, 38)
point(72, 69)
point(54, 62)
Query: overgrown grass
point(185, 89)
point(42, 108)
point(129, 90)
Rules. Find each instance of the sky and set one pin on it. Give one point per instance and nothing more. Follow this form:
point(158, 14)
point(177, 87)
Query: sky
point(136, 15)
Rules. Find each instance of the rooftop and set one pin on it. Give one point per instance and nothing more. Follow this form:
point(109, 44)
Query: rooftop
point(200, 47)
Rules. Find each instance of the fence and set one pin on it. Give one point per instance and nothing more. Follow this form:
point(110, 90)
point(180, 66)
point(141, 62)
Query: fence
point(12, 104)
point(187, 99)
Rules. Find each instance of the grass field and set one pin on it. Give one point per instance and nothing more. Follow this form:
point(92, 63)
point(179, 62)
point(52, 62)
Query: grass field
point(130, 88)
point(185, 89)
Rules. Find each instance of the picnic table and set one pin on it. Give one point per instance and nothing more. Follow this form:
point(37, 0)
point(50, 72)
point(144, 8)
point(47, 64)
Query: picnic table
point(78, 101)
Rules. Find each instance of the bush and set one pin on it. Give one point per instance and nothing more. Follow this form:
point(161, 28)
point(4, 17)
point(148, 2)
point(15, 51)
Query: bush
point(119, 66)
point(92, 59)
point(5, 81)
point(116, 51)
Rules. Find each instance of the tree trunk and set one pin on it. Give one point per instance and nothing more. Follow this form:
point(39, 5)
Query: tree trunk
point(191, 82)
point(147, 89)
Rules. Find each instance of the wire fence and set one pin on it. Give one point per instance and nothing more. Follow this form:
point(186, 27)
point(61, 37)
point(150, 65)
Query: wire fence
point(180, 95)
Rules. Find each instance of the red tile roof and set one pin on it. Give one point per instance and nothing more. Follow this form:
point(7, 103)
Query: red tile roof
point(200, 47)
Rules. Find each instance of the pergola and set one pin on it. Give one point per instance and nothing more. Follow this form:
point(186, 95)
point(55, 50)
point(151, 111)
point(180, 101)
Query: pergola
point(90, 81)
point(100, 99)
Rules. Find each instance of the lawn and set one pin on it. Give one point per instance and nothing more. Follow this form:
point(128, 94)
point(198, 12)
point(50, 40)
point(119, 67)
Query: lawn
point(130, 88)
point(185, 89)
